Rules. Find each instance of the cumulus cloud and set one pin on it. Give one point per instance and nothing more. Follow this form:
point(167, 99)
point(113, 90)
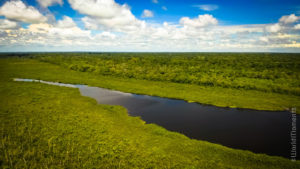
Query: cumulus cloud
point(287, 19)
point(18, 11)
point(264, 39)
point(188, 34)
point(90, 23)
point(39, 28)
point(201, 21)
point(66, 22)
point(297, 27)
point(273, 28)
point(207, 7)
point(105, 35)
point(49, 35)
point(106, 14)
point(113, 24)
point(70, 33)
point(147, 14)
point(46, 3)
point(7, 24)
point(101, 8)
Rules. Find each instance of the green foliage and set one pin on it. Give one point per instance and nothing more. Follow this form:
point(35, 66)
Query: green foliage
point(278, 73)
point(214, 95)
point(44, 126)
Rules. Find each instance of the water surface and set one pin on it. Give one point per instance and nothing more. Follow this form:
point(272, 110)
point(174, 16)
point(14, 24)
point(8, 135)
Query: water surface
point(265, 132)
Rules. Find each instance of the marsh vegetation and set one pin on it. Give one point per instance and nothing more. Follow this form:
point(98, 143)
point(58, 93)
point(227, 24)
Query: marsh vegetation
point(47, 126)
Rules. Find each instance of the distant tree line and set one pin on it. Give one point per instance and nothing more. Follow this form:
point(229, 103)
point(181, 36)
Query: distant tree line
point(269, 72)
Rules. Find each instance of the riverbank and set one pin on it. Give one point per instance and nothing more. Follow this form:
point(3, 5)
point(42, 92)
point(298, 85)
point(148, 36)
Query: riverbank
point(47, 126)
point(202, 122)
point(217, 96)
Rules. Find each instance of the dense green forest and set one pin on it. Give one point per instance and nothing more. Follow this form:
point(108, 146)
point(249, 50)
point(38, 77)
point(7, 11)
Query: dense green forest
point(270, 72)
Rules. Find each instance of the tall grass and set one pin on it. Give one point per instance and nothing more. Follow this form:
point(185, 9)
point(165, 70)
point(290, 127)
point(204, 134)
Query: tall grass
point(47, 126)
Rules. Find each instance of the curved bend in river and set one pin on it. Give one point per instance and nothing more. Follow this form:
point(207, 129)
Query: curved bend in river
point(258, 131)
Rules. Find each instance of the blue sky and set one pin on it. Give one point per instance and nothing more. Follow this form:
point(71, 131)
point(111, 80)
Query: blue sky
point(149, 25)
point(229, 11)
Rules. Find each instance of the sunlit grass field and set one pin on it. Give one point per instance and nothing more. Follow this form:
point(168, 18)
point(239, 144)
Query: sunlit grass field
point(45, 126)
point(266, 72)
point(234, 97)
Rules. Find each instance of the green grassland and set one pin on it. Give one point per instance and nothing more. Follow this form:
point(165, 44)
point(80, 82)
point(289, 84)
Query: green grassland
point(254, 81)
point(45, 126)
point(277, 73)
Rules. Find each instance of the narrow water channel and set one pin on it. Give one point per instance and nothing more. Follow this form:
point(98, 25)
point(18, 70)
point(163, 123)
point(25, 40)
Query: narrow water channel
point(265, 132)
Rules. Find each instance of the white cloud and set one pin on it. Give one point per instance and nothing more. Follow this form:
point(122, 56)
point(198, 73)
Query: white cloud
point(39, 28)
point(105, 35)
point(155, 1)
point(50, 35)
point(66, 22)
point(7, 24)
point(147, 14)
point(264, 39)
point(274, 28)
point(90, 23)
point(17, 10)
point(69, 33)
point(207, 7)
point(101, 8)
point(201, 21)
point(188, 34)
point(106, 14)
point(113, 24)
point(46, 3)
point(287, 19)
point(234, 29)
point(164, 8)
point(297, 27)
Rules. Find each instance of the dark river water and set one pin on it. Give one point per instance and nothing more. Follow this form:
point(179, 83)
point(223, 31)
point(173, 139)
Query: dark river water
point(267, 132)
